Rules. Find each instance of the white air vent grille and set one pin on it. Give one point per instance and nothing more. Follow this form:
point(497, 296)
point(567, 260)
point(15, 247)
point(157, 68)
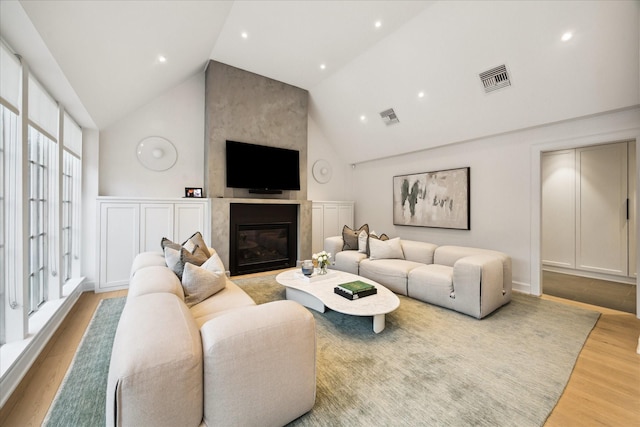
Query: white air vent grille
point(389, 117)
point(495, 78)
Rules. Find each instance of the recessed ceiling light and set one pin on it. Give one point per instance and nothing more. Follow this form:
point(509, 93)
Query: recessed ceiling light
point(323, 66)
point(244, 35)
point(567, 36)
point(378, 24)
point(162, 58)
point(420, 94)
point(363, 118)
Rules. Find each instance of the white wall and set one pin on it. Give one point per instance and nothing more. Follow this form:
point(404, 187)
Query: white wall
point(339, 186)
point(505, 186)
point(178, 116)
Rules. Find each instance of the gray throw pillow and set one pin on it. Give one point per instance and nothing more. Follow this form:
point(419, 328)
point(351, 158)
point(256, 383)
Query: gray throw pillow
point(350, 237)
point(176, 259)
point(199, 283)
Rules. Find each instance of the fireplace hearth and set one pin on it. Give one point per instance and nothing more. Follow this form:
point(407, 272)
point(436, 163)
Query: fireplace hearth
point(262, 237)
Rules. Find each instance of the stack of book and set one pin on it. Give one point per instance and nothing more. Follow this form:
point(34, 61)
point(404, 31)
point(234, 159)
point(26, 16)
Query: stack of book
point(355, 290)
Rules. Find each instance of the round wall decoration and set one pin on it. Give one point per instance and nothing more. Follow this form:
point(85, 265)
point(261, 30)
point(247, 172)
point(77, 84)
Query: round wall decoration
point(156, 153)
point(322, 171)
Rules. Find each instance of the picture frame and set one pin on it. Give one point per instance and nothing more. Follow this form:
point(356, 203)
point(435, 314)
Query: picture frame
point(438, 199)
point(193, 192)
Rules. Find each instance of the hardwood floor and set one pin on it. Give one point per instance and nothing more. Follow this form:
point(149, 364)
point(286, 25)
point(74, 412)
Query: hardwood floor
point(29, 403)
point(604, 388)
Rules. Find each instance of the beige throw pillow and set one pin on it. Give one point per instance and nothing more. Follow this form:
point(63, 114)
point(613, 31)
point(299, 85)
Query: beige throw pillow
point(214, 263)
point(199, 284)
point(363, 238)
point(386, 249)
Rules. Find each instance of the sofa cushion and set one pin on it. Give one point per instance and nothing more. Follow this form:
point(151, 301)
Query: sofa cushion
point(146, 259)
point(390, 273)
point(348, 261)
point(229, 298)
point(350, 237)
point(386, 249)
point(418, 251)
point(259, 365)
point(154, 279)
point(157, 347)
point(432, 283)
point(200, 283)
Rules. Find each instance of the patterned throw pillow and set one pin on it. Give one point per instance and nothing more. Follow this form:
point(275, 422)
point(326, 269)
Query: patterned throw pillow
point(350, 237)
point(199, 283)
point(197, 240)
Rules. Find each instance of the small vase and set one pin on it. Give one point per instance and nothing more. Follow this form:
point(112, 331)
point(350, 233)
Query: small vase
point(323, 270)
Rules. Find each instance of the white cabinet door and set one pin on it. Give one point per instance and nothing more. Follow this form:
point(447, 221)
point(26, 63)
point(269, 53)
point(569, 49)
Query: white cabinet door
point(601, 207)
point(189, 218)
point(119, 243)
point(330, 221)
point(156, 222)
point(559, 209)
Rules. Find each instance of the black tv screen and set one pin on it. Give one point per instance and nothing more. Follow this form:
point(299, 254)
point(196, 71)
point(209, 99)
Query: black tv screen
point(263, 168)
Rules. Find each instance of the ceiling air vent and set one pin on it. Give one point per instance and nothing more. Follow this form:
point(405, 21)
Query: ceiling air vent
point(495, 78)
point(389, 117)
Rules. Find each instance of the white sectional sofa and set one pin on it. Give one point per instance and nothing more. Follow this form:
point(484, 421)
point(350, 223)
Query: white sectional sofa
point(224, 361)
point(468, 280)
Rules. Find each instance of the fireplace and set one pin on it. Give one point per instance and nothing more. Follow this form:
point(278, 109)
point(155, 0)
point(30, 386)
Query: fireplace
point(262, 237)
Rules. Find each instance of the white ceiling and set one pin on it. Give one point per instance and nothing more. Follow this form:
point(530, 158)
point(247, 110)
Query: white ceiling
point(104, 56)
point(108, 49)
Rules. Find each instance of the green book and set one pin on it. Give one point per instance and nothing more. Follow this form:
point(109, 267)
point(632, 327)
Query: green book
point(356, 287)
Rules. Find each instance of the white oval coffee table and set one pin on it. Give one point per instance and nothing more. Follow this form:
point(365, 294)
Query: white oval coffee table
point(318, 295)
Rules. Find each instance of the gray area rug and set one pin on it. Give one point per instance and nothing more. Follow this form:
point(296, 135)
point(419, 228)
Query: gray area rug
point(436, 367)
point(429, 367)
point(81, 398)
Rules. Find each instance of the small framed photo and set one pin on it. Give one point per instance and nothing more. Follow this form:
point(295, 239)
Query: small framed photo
point(192, 192)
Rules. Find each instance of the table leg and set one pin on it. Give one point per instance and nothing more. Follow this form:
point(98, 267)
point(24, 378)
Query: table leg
point(378, 323)
point(307, 300)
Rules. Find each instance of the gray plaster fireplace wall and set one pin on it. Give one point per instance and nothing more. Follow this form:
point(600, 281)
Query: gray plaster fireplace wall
point(246, 107)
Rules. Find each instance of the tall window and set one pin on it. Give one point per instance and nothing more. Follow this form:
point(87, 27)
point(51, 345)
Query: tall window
point(70, 209)
point(40, 200)
point(39, 151)
point(10, 173)
point(8, 139)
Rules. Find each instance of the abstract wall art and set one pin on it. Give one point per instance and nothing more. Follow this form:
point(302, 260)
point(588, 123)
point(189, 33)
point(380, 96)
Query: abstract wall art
point(438, 199)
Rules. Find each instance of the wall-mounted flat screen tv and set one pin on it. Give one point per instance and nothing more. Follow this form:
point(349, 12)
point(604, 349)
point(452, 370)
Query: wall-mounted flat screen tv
point(260, 168)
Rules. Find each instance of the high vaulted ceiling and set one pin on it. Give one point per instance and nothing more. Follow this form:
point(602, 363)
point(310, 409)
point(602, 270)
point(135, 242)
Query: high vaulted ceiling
point(107, 53)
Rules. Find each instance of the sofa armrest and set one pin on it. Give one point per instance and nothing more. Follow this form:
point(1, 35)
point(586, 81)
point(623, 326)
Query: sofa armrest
point(333, 245)
point(478, 285)
point(259, 365)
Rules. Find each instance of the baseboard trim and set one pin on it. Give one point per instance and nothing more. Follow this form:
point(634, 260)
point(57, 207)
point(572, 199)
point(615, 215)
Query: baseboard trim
point(34, 345)
point(524, 288)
